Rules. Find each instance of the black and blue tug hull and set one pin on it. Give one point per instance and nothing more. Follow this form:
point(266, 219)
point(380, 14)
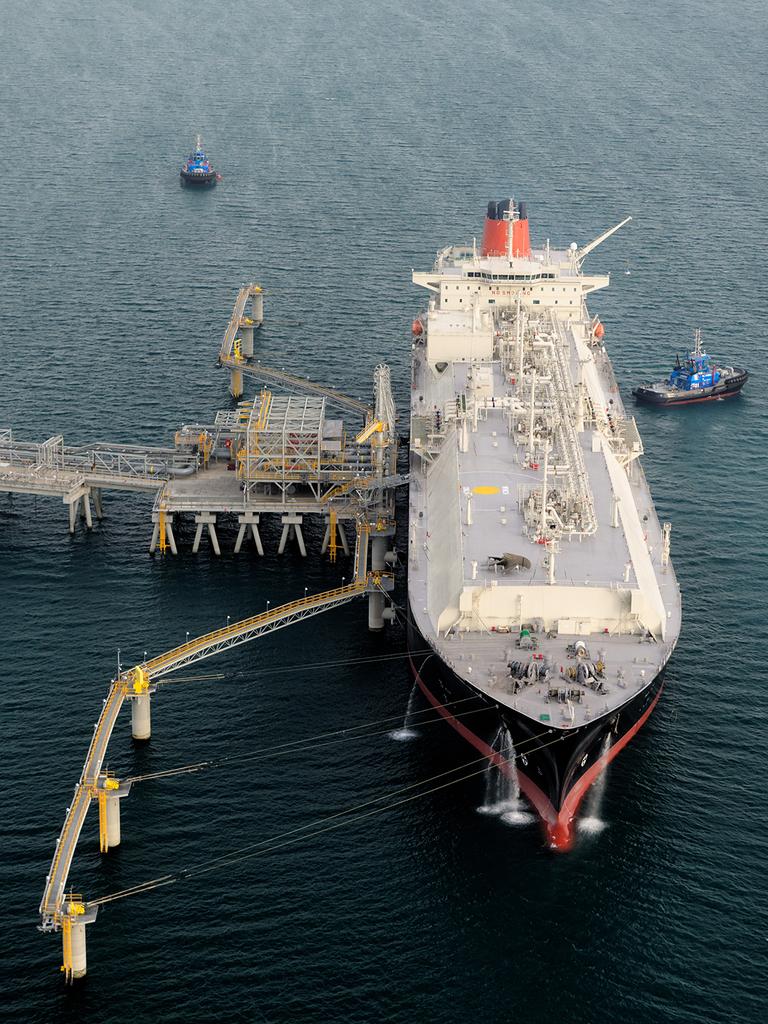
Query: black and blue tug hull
point(555, 767)
point(662, 395)
point(199, 180)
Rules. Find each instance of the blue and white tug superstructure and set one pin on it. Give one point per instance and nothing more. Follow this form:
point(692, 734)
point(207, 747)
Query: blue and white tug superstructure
point(197, 169)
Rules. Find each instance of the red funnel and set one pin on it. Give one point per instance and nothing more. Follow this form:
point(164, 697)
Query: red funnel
point(502, 218)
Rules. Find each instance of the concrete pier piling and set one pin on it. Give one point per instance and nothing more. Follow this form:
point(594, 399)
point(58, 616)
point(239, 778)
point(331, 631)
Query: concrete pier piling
point(343, 537)
point(110, 792)
point(292, 531)
point(203, 519)
point(376, 599)
point(87, 510)
point(98, 506)
point(112, 821)
point(257, 306)
point(246, 339)
point(74, 507)
point(249, 520)
point(80, 507)
point(78, 957)
point(75, 916)
point(163, 520)
point(141, 716)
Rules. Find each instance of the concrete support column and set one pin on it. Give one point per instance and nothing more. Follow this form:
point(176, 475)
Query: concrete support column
point(169, 535)
point(78, 957)
point(292, 528)
point(376, 600)
point(246, 340)
point(204, 519)
point(141, 717)
point(112, 823)
point(257, 305)
point(87, 510)
point(74, 919)
point(343, 537)
point(236, 382)
point(110, 793)
point(98, 507)
point(74, 508)
point(249, 520)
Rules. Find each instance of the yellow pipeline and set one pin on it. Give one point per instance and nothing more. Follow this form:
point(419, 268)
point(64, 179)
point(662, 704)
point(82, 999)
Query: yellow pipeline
point(103, 844)
point(66, 933)
point(333, 528)
point(161, 529)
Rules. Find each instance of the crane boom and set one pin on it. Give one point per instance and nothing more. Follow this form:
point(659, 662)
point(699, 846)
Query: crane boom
point(585, 250)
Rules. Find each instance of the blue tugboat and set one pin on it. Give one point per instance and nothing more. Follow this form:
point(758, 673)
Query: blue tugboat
point(696, 379)
point(197, 169)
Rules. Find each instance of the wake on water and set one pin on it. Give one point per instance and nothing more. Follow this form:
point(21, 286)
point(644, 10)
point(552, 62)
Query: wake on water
point(592, 823)
point(406, 732)
point(502, 791)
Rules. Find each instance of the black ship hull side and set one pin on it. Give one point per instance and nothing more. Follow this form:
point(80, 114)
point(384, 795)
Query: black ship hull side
point(198, 179)
point(723, 389)
point(555, 767)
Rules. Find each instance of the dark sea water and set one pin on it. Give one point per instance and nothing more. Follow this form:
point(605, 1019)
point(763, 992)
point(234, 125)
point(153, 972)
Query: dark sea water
point(356, 138)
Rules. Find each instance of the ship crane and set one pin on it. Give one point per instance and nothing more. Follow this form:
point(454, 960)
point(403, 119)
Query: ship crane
point(579, 255)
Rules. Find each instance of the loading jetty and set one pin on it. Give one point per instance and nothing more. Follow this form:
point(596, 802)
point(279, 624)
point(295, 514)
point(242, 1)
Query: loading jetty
point(303, 451)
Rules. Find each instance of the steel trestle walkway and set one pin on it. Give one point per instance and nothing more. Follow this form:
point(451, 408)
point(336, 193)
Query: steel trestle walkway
point(136, 681)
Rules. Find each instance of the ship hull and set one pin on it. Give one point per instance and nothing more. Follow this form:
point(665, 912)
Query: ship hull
point(200, 180)
point(724, 389)
point(555, 767)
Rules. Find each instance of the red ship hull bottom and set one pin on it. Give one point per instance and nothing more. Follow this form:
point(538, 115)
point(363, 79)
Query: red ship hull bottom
point(558, 817)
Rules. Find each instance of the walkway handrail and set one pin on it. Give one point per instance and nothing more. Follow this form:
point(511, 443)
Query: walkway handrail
point(247, 629)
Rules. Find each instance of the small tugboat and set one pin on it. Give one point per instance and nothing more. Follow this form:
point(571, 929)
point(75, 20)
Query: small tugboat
point(695, 380)
point(197, 170)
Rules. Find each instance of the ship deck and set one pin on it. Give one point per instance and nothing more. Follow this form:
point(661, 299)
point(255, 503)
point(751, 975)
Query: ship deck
point(492, 475)
point(495, 463)
point(482, 660)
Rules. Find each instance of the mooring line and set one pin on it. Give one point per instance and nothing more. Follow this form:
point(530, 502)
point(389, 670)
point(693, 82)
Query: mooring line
point(291, 837)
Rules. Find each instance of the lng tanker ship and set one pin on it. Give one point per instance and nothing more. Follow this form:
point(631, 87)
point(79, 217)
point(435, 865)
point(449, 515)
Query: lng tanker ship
point(539, 575)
